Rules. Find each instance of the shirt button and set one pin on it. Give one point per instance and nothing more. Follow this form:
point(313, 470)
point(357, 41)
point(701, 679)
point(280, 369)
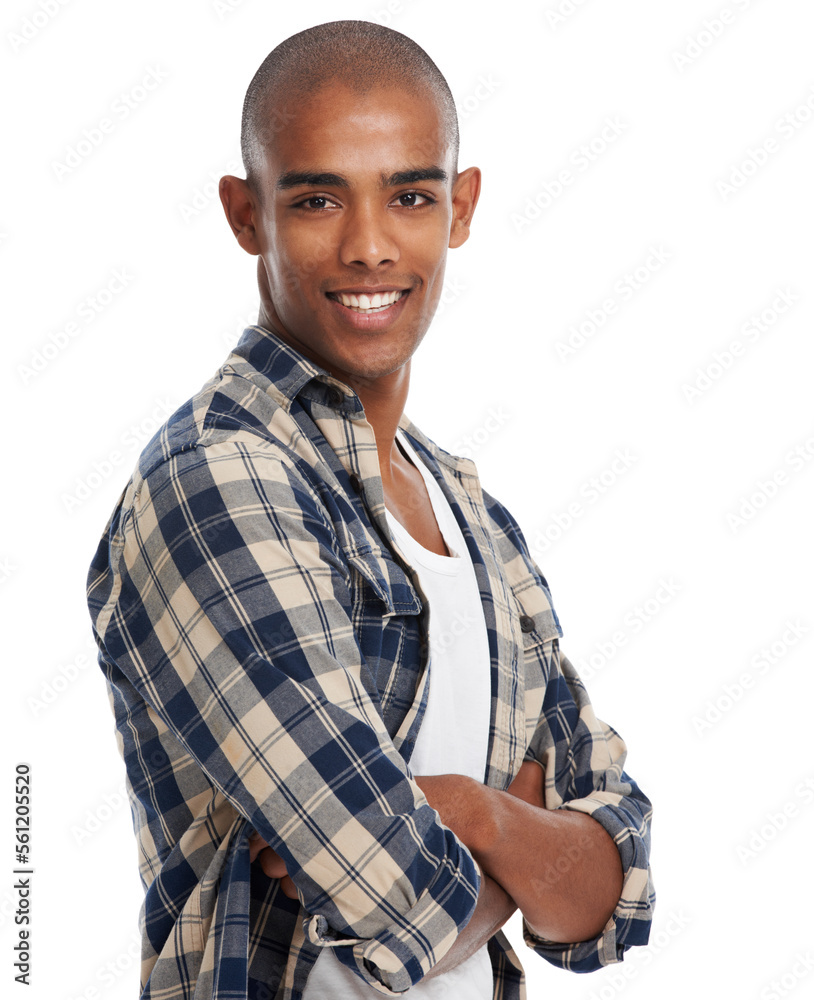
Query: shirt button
point(526, 623)
point(335, 397)
point(356, 482)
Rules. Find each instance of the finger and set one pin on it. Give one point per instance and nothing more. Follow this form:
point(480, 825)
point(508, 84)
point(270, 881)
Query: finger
point(288, 888)
point(528, 785)
point(272, 864)
point(256, 845)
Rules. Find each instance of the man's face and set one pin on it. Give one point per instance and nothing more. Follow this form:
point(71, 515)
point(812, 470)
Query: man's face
point(359, 208)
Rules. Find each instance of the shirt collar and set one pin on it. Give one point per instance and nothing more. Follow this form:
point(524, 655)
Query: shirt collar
point(287, 373)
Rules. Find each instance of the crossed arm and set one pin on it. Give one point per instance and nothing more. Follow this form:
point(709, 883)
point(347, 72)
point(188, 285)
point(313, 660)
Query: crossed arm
point(249, 660)
point(517, 843)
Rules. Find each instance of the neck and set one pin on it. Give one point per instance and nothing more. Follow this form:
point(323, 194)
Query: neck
point(384, 400)
point(383, 397)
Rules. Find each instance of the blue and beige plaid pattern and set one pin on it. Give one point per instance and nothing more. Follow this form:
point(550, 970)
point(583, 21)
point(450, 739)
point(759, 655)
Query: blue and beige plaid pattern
point(263, 644)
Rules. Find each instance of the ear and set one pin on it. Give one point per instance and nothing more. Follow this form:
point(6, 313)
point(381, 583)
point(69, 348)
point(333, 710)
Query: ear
point(465, 194)
point(241, 206)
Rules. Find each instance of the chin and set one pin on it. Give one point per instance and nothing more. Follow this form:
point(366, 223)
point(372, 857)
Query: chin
point(369, 370)
point(373, 362)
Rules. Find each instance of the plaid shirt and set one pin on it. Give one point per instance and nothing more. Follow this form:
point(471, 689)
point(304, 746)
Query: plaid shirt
point(264, 646)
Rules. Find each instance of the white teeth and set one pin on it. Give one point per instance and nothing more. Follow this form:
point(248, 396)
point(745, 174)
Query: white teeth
point(369, 303)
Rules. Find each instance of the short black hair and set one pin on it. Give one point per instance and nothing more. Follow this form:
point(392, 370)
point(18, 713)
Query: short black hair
point(361, 54)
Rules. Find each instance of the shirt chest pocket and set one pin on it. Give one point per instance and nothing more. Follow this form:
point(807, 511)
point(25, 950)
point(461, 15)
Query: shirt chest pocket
point(540, 633)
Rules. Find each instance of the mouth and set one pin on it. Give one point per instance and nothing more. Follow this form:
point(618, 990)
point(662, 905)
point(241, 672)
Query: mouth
point(367, 304)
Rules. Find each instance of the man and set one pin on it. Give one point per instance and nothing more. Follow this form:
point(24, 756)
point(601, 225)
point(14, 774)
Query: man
point(352, 743)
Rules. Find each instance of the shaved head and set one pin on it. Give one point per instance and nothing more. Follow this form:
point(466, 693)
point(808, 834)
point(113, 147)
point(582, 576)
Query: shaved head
point(360, 55)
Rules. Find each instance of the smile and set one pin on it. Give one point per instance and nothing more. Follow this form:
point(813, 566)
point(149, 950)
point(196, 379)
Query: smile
point(367, 304)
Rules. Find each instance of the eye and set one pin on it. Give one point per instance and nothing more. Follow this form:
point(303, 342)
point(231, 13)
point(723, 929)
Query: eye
point(315, 203)
point(412, 199)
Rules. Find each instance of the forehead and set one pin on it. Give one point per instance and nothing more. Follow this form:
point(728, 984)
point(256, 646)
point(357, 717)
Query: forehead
point(344, 130)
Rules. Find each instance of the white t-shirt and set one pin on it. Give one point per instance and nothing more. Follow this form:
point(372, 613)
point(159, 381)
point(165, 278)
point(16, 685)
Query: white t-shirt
point(453, 738)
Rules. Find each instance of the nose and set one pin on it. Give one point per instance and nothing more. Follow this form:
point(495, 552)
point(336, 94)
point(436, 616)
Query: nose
point(367, 238)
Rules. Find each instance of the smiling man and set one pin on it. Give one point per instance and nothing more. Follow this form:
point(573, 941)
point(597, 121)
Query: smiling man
point(353, 745)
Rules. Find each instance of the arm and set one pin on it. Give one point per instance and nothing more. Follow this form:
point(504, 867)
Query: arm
point(560, 868)
point(229, 612)
point(520, 844)
point(493, 909)
point(574, 844)
point(582, 759)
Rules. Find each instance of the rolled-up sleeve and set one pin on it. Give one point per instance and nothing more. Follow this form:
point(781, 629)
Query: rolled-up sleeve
point(583, 759)
point(231, 614)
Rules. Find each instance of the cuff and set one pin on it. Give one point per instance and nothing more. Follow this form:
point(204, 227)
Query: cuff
point(405, 951)
point(629, 924)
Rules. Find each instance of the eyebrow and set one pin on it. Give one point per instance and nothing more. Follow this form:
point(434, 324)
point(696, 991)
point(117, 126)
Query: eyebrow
point(306, 178)
point(414, 176)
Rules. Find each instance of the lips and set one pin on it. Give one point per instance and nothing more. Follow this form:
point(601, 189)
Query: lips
point(367, 303)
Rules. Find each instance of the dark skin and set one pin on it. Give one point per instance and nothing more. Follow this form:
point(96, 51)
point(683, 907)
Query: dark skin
point(359, 196)
point(363, 232)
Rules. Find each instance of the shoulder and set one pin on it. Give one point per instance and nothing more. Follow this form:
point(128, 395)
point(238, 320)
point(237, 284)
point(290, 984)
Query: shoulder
point(227, 406)
point(232, 439)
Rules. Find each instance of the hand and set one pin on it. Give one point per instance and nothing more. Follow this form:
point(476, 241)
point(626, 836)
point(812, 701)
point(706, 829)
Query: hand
point(528, 785)
point(271, 863)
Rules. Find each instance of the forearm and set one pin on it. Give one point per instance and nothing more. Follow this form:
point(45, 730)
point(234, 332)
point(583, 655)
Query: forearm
point(560, 867)
point(493, 909)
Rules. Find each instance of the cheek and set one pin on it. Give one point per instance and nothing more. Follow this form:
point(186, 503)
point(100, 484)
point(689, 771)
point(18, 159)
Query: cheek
point(292, 276)
point(431, 259)
point(297, 256)
point(426, 247)
point(308, 257)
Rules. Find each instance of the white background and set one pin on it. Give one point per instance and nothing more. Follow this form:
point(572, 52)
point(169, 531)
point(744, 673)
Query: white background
point(725, 765)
